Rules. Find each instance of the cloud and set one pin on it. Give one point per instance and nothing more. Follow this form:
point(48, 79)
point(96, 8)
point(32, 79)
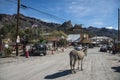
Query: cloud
point(73, 2)
point(101, 8)
point(50, 20)
point(109, 27)
point(95, 23)
point(78, 11)
point(98, 23)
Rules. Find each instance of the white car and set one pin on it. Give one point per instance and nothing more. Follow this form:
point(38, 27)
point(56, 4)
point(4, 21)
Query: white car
point(79, 47)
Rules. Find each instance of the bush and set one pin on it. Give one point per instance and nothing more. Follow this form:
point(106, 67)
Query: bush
point(7, 51)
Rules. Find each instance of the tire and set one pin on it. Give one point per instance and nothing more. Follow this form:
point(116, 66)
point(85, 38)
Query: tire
point(44, 54)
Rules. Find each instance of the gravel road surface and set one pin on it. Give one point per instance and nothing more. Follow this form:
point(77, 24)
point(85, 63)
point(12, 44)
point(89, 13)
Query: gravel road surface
point(97, 66)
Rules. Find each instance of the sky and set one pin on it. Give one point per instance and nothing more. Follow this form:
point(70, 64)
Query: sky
point(96, 13)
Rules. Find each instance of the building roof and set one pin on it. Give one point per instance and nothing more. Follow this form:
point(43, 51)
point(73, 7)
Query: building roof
point(53, 39)
point(101, 37)
point(73, 38)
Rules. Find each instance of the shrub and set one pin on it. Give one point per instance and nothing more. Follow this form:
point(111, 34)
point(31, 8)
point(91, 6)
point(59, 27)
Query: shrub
point(8, 51)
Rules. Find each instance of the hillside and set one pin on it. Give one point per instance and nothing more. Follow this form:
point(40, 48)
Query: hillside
point(26, 21)
point(103, 32)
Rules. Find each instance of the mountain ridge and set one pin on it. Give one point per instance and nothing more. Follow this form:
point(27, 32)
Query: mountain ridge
point(26, 21)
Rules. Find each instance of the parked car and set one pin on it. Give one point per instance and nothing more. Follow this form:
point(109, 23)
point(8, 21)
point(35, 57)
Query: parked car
point(78, 47)
point(38, 49)
point(90, 46)
point(103, 48)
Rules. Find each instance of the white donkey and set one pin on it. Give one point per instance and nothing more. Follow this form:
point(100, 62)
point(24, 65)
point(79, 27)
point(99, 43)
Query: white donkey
point(77, 56)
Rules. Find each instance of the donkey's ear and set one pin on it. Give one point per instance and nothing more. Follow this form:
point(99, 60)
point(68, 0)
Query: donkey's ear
point(82, 48)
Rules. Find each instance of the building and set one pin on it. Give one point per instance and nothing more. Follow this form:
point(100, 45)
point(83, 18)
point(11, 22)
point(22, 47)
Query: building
point(101, 40)
point(81, 38)
point(84, 38)
point(73, 38)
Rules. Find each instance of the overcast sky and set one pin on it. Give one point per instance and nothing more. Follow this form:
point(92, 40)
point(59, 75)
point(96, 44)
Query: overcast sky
point(97, 13)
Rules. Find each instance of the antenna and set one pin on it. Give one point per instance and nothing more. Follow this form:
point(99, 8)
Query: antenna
point(118, 24)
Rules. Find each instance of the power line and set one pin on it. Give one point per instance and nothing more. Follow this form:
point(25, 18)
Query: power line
point(24, 6)
point(12, 1)
point(112, 24)
point(45, 13)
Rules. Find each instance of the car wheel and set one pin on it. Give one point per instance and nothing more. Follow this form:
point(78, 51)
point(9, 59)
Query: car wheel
point(44, 54)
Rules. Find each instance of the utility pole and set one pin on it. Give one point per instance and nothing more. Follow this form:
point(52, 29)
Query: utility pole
point(118, 25)
point(96, 39)
point(17, 32)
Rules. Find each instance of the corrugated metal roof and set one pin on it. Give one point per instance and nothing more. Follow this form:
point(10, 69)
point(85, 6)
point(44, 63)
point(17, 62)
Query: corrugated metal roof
point(73, 37)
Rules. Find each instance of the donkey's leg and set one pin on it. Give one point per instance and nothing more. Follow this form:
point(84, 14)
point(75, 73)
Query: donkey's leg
point(78, 64)
point(74, 64)
point(71, 63)
point(81, 64)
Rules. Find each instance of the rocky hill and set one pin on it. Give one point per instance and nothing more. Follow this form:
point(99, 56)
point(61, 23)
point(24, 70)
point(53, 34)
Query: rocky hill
point(26, 21)
point(103, 32)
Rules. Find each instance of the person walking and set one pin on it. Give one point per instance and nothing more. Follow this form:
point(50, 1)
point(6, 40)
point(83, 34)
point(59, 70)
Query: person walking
point(113, 50)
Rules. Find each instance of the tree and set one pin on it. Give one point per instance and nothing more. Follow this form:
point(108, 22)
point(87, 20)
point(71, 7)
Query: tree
point(56, 33)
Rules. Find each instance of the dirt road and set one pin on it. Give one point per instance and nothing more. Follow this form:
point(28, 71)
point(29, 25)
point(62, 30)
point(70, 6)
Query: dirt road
point(97, 66)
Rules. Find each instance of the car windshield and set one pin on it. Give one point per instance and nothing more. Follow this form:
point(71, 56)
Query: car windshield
point(104, 46)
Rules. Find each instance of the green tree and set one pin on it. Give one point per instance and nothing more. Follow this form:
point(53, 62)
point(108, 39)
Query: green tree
point(56, 33)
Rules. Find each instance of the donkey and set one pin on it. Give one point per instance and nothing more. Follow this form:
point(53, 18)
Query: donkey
point(77, 56)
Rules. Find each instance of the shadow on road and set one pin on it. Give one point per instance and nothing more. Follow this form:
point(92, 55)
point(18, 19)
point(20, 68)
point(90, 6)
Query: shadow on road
point(58, 74)
point(113, 59)
point(117, 69)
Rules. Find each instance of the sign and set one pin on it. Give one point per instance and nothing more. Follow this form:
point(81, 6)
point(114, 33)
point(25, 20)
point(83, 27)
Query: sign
point(18, 39)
